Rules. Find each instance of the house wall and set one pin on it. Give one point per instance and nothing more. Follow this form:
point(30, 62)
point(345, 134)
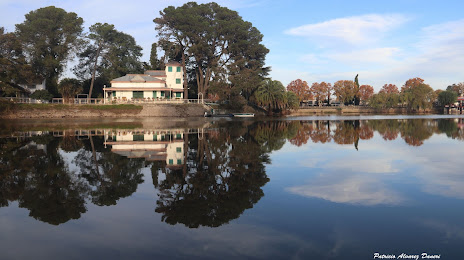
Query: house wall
point(172, 76)
point(129, 94)
point(34, 87)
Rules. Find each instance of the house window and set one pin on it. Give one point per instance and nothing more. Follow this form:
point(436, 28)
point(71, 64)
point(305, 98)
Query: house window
point(178, 69)
point(179, 149)
point(171, 161)
point(138, 138)
point(154, 94)
point(155, 137)
point(163, 138)
point(137, 94)
point(178, 136)
point(179, 161)
point(178, 94)
point(162, 93)
point(177, 81)
point(169, 69)
point(114, 93)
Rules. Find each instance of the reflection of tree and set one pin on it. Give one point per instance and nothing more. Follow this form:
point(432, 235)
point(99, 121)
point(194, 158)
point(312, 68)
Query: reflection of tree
point(365, 132)
point(112, 176)
point(39, 180)
point(414, 132)
point(388, 129)
point(346, 132)
point(35, 174)
point(451, 129)
point(272, 135)
point(70, 143)
point(224, 177)
point(321, 133)
point(302, 135)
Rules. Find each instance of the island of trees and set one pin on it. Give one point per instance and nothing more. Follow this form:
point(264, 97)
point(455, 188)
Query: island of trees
point(222, 55)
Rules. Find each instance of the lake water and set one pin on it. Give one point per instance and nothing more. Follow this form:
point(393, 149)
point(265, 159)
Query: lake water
point(295, 188)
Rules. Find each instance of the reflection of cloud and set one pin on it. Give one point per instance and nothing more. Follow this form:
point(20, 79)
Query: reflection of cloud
point(442, 174)
point(451, 232)
point(435, 169)
point(351, 188)
point(375, 165)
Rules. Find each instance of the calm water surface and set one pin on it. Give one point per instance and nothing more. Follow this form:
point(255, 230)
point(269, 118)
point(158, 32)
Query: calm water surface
point(303, 188)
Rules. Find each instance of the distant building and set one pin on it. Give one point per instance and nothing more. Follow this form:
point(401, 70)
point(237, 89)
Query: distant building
point(152, 85)
point(33, 86)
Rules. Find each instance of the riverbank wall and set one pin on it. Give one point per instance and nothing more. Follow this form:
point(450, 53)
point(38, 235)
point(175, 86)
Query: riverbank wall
point(52, 111)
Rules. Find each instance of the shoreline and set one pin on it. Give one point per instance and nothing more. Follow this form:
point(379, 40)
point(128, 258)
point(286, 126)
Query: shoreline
point(65, 111)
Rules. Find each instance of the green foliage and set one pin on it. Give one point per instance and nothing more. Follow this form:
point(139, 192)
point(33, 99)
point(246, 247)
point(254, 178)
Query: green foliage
point(271, 94)
point(107, 54)
point(457, 88)
point(447, 97)
point(49, 36)
point(419, 96)
point(42, 94)
point(14, 68)
point(292, 100)
point(384, 100)
point(69, 88)
point(217, 42)
point(155, 63)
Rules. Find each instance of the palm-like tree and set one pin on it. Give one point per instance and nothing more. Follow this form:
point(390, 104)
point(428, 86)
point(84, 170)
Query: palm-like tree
point(271, 94)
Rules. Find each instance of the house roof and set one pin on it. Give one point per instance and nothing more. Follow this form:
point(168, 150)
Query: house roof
point(156, 73)
point(141, 78)
point(173, 63)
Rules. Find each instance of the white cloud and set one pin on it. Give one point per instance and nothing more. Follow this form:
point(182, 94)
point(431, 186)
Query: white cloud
point(374, 55)
point(435, 53)
point(354, 30)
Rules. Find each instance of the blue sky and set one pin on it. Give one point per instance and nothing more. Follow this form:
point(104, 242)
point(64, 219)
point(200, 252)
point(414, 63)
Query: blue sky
point(382, 41)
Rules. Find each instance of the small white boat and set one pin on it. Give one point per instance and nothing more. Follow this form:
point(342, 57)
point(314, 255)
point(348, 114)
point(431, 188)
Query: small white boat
point(243, 114)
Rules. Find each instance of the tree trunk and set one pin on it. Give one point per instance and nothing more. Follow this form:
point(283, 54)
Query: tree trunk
point(185, 75)
point(100, 45)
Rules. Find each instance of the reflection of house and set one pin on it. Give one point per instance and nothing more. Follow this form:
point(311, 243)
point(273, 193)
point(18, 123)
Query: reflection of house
point(153, 85)
point(165, 146)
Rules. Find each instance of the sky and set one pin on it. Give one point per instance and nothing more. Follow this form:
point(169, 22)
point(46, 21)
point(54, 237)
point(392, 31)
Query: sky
point(382, 41)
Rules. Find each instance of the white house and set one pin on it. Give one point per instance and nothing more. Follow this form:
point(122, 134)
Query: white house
point(34, 86)
point(152, 85)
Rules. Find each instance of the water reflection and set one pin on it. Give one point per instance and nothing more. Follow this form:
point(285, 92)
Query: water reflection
point(36, 172)
point(413, 132)
point(204, 176)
